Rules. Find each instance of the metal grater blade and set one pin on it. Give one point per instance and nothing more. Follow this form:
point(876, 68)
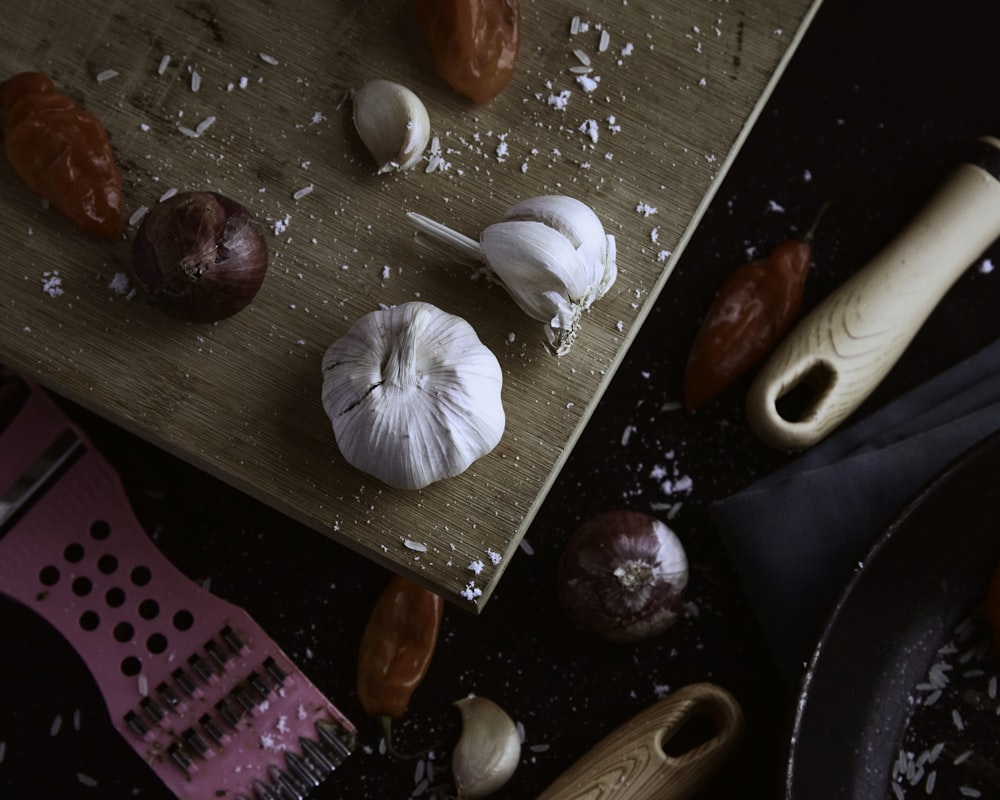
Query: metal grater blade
point(199, 690)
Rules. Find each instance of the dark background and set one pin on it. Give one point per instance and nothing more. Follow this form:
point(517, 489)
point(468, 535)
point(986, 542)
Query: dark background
point(879, 103)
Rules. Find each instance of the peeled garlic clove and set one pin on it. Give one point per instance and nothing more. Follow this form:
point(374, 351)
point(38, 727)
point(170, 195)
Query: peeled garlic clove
point(552, 255)
point(392, 122)
point(488, 749)
point(413, 395)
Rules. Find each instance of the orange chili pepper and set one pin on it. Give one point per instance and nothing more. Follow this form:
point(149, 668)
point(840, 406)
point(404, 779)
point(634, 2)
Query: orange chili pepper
point(749, 314)
point(396, 648)
point(62, 152)
point(474, 43)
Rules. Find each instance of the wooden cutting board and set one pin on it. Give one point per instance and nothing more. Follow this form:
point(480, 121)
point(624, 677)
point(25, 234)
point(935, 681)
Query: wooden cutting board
point(644, 139)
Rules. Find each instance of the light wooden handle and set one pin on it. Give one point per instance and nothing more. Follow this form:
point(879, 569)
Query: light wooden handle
point(836, 356)
point(630, 762)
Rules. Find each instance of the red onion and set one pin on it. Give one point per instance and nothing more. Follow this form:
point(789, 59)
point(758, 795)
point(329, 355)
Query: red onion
point(200, 256)
point(622, 576)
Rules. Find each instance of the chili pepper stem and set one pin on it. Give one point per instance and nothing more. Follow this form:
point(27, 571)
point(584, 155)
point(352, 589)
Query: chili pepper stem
point(807, 237)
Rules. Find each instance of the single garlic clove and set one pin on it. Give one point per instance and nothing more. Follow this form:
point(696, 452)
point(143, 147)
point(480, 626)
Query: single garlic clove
point(488, 749)
point(413, 395)
point(392, 122)
point(579, 223)
point(552, 255)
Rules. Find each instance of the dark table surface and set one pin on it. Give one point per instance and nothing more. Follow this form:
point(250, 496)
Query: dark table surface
point(878, 104)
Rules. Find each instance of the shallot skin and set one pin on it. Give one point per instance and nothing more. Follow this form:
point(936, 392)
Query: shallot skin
point(200, 256)
point(622, 576)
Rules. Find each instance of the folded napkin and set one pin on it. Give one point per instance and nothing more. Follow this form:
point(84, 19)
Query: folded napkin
point(797, 535)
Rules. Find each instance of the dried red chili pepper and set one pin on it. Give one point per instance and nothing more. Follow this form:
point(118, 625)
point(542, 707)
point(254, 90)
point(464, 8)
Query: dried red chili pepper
point(62, 152)
point(396, 649)
point(474, 43)
point(749, 314)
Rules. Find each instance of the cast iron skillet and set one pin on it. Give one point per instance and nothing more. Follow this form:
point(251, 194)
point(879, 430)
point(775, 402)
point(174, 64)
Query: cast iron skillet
point(923, 574)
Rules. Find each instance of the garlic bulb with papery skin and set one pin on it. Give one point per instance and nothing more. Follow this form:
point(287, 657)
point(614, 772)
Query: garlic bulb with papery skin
point(488, 749)
point(552, 255)
point(413, 395)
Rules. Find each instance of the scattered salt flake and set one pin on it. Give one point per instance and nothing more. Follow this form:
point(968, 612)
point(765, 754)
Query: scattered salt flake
point(589, 127)
point(410, 544)
point(281, 225)
point(243, 82)
point(776, 207)
point(471, 591)
point(627, 49)
point(661, 690)
point(645, 209)
point(493, 556)
point(106, 75)
point(663, 255)
point(86, 780)
point(476, 566)
point(317, 117)
point(267, 59)
point(119, 283)
point(986, 267)
point(587, 83)
point(52, 283)
point(559, 101)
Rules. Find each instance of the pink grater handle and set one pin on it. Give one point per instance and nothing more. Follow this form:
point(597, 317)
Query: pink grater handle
point(198, 689)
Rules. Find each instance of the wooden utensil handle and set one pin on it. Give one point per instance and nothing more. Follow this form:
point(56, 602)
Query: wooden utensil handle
point(630, 763)
point(842, 350)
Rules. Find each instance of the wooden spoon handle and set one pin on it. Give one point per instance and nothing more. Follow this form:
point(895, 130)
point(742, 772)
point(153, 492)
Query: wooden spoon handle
point(843, 349)
point(630, 763)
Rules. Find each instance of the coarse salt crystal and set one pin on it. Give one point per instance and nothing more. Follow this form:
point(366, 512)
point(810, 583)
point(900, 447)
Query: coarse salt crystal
point(471, 591)
point(645, 209)
point(52, 283)
point(476, 566)
point(587, 83)
point(493, 556)
point(589, 127)
point(119, 283)
point(559, 101)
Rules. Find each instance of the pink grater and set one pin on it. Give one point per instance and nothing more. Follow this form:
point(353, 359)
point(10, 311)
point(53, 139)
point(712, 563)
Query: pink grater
point(200, 691)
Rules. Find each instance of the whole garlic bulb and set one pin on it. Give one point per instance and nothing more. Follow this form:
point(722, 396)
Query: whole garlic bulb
point(413, 395)
point(552, 255)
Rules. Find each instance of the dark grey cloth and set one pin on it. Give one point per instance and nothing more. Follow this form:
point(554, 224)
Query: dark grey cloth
point(797, 535)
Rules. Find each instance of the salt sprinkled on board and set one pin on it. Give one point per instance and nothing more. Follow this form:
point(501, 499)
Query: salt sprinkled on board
point(52, 283)
point(646, 209)
point(559, 101)
point(493, 556)
point(471, 591)
point(476, 566)
point(587, 83)
point(119, 284)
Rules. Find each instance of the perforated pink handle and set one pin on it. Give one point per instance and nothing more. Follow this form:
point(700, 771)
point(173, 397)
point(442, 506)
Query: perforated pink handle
point(191, 681)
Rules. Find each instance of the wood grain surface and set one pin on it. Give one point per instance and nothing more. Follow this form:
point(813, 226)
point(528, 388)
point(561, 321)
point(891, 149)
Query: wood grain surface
point(676, 91)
